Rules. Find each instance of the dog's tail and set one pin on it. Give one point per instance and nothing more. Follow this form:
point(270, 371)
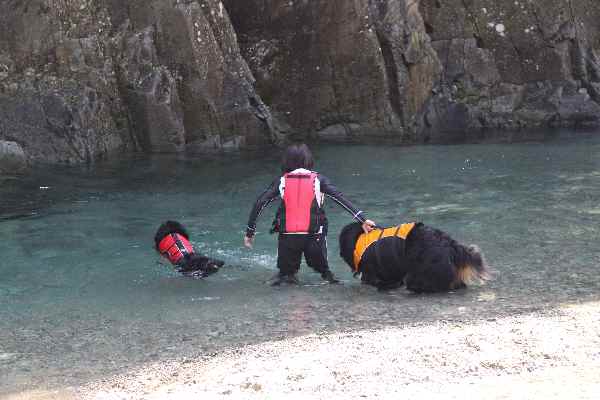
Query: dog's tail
point(470, 265)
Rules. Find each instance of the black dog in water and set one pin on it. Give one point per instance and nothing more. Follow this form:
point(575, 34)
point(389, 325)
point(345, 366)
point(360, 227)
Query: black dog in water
point(173, 242)
point(423, 258)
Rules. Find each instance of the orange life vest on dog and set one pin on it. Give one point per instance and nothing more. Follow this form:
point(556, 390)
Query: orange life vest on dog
point(365, 240)
point(300, 207)
point(175, 247)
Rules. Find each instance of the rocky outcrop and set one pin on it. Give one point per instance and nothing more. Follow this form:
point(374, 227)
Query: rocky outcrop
point(183, 78)
point(513, 64)
point(12, 158)
point(342, 69)
point(80, 79)
point(59, 97)
point(422, 71)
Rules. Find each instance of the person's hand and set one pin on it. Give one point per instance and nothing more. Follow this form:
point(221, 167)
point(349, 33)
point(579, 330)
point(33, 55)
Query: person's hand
point(248, 241)
point(368, 226)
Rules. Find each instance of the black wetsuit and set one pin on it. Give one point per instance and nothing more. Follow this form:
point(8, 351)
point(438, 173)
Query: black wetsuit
point(291, 246)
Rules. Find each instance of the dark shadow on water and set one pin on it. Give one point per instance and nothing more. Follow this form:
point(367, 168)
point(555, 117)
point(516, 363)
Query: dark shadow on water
point(482, 136)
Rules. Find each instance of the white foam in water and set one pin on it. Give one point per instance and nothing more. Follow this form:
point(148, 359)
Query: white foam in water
point(205, 298)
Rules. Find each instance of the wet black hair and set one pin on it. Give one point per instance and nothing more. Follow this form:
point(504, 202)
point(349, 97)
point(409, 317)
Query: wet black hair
point(297, 156)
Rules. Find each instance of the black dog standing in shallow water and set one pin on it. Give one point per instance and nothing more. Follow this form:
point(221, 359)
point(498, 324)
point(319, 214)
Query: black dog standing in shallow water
point(423, 258)
point(173, 242)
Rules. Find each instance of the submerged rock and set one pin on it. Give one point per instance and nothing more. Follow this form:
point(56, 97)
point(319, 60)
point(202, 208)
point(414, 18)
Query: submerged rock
point(12, 158)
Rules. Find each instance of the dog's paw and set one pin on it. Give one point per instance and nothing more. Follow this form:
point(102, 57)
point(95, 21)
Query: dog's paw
point(197, 274)
point(212, 266)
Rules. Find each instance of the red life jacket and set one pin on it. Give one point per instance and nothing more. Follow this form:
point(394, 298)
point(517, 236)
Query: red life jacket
point(175, 247)
point(300, 207)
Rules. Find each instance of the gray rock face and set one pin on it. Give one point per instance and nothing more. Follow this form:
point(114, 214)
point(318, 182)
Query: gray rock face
point(184, 79)
point(325, 65)
point(422, 71)
point(12, 158)
point(59, 97)
point(513, 64)
point(83, 79)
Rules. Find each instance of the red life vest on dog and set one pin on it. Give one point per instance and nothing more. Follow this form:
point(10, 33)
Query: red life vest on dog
point(175, 247)
point(300, 206)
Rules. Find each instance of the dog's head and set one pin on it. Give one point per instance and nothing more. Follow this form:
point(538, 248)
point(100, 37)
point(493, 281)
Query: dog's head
point(348, 238)
point(166, 228)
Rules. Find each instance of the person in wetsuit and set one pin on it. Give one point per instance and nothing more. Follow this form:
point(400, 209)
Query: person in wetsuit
point(300, 219)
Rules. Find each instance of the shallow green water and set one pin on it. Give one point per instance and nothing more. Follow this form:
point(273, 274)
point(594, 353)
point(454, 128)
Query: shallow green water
point(82, 294)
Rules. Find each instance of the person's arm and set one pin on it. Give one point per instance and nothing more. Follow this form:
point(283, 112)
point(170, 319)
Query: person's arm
point(266, 198)
point(332, 192)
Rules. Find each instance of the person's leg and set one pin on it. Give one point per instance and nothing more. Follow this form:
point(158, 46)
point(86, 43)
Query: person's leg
point(289, 255)
point(315, 253)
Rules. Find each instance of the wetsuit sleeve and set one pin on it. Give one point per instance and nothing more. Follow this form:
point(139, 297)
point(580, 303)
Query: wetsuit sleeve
point(331, 191)
point(266, 198)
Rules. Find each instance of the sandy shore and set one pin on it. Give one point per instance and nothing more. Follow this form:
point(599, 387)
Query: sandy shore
point(555, 355)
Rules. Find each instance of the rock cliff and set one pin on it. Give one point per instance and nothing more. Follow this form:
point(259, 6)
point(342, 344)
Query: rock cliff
point(82, 79)
point(341, 69)
point(513, 64)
